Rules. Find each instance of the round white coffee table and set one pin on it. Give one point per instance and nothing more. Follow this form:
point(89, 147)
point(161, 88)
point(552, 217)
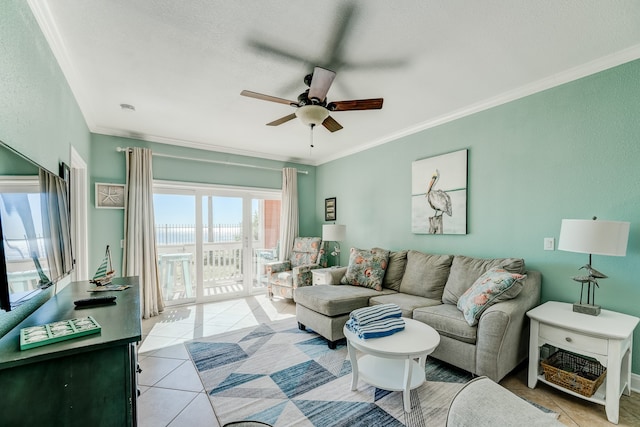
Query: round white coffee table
point(389, 362)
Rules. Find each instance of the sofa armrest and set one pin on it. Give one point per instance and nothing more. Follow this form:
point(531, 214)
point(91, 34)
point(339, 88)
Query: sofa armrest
point(503, 331)
point(277, 267)
point(302, 275)
point(337, 274)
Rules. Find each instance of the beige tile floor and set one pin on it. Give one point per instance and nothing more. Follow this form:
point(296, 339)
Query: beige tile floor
point(172, 394)
point(171, 391)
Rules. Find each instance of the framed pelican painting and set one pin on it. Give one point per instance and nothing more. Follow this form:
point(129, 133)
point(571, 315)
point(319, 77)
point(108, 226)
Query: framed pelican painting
point(439, 194)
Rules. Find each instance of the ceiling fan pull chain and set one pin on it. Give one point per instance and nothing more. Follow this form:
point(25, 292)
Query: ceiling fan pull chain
point(311, 137)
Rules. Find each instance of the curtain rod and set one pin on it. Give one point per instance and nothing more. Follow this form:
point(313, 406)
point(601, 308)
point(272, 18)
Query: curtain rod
point(219, 162)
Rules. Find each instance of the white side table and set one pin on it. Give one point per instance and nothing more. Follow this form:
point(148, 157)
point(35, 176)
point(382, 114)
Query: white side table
point(607, 338)
point(389, 362)
point(327, 276)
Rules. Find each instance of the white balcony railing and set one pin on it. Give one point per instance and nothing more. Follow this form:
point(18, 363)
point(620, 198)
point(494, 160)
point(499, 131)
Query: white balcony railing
point(222, 264)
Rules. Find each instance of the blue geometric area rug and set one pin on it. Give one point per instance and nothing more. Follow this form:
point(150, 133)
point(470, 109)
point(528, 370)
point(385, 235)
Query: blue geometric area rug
point(282, 376)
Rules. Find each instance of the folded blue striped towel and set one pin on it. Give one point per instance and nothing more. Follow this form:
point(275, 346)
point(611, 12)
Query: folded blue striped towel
point(366, 315)
point(376, 329)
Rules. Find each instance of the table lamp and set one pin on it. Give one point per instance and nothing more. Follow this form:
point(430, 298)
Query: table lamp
point(593, 237)
point(334, 233)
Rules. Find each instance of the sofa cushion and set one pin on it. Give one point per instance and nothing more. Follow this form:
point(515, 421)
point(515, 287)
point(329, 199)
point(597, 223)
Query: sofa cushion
point(366, 268)
point(465, 270)
point(406, 302)
point(332, 300)
point(395, 270)
point(448, 321)
point(494, 286)
point(425, 274)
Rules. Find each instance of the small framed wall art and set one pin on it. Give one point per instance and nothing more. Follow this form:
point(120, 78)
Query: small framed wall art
point(330, 209)
point(109, 196)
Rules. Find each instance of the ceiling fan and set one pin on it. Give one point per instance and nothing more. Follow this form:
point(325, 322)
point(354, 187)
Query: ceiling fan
point(333, 56)
point(312, 107)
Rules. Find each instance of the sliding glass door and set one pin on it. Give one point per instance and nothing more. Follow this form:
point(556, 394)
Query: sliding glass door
point(265, 232)
point(223, 242)
point(214, 242)
point(176, 235)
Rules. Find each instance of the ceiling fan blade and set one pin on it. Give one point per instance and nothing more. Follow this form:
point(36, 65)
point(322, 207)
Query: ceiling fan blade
point(282, 120)
point(320, 83)
point(331, 124)
point(275, 51)
point(380, 64)
point(344, 18)
point(268, 98)
point(359, 104)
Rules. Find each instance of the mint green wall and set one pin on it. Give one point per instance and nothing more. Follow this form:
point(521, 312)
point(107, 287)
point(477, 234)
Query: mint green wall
point(569, 152)
point(39, 116)
point(38, 113)
point(108, 165)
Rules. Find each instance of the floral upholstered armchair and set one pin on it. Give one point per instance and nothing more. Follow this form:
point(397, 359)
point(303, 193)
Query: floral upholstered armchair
point(285, 276)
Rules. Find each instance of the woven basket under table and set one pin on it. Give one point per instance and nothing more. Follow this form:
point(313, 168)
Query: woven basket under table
point(574, 372)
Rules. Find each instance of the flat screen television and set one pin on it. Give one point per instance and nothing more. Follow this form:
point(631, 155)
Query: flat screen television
point(34, 228)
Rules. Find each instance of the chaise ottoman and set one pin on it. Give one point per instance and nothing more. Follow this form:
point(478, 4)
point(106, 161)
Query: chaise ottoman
point(325, 308)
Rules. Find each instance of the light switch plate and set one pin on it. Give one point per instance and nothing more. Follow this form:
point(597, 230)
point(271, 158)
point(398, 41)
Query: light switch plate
point(549, 243)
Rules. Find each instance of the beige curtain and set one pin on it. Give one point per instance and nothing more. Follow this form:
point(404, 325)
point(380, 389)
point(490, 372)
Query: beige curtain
point(55, 211)
point(140, 253)
point(289, 214)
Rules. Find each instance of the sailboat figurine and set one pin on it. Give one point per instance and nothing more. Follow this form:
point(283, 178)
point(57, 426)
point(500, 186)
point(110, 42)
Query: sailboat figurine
point(105, 272)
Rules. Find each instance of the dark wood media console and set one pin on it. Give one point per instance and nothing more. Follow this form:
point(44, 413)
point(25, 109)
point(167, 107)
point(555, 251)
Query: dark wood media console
point(85, 381)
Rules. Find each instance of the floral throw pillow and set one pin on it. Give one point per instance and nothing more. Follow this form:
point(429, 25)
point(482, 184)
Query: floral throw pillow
point(496, 285)
point(366, 268)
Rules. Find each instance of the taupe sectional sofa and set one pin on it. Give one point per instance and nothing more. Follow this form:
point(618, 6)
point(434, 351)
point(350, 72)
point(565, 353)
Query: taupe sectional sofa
point(427, 288)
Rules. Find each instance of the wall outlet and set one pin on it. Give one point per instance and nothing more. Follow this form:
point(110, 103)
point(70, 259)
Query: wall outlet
point(549, 243)
point(122, 243)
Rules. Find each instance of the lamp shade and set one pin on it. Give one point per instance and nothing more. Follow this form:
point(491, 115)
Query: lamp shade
point(334, 232)
point(594, 237)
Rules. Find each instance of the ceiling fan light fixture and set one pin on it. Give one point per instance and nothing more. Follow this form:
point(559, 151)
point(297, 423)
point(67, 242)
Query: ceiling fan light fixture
point(312, 114)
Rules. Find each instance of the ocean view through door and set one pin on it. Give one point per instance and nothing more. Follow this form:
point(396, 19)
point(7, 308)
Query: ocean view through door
point(213, 242)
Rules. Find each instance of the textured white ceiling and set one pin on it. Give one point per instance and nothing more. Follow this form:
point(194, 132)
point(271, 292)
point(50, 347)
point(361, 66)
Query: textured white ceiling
point(183, 64)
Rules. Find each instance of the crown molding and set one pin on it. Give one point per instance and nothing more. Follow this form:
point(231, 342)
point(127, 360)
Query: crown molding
point(196, 145)
point(572, 74)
